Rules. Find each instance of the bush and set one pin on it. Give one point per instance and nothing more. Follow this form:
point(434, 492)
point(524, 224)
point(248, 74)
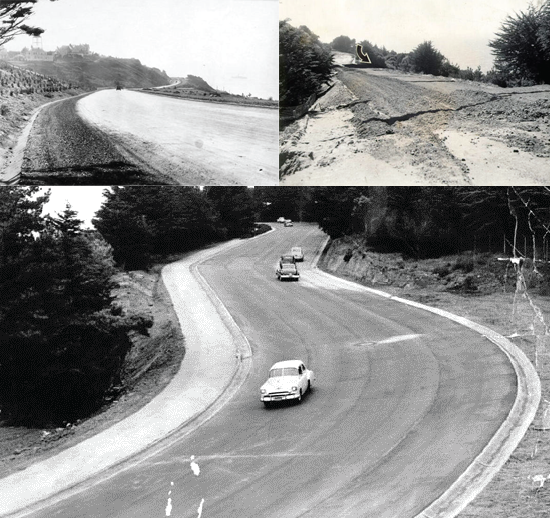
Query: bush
point(304, 64)
point(442, 270)
point(426, 59)
point(464, 263)
point(522, 47)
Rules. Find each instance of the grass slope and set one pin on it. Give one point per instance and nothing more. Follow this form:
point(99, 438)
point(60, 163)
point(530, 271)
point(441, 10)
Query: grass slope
point(100, 72)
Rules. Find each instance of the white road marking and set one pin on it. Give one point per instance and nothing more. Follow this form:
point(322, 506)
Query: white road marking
point(400, 338)
point(194, 466)
point(199, 510)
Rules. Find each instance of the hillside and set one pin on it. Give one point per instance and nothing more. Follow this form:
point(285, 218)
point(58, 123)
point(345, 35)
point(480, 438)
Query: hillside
point(100, 72)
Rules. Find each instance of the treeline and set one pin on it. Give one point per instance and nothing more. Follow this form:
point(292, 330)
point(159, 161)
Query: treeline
point(63, 336)
point(145, 224)
point(422, 222)
point(521, 50)
point(63, 340)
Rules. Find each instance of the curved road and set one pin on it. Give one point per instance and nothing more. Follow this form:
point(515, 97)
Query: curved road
point(404, 401)
point(128, 137)
point(195, 143)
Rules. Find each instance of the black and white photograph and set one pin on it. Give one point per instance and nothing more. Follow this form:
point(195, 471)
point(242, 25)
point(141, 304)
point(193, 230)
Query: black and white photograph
point(188, 330)
point(136, 93)
point(415, 93)
point(274, 351)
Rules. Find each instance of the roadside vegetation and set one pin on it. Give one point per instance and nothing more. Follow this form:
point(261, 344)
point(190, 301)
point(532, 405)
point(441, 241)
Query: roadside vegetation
point(305, 64)
point(521, 49)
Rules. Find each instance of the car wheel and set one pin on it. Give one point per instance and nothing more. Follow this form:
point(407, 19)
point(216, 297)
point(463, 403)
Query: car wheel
point(300, 396)
point(267, 404)
point(309, 385)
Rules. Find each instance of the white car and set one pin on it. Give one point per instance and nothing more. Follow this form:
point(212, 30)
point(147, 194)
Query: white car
point(281, 220)
point(288, 380)
point(288, 223)
point(297, 253)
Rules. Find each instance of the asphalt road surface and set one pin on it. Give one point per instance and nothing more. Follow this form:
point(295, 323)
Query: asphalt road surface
point(404, 401)
point(194, 143)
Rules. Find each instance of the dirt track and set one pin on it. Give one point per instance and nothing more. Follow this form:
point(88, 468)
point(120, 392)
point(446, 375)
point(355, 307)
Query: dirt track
point(383, 127)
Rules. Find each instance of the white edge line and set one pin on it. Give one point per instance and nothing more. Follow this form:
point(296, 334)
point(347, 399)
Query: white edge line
point(497, 451)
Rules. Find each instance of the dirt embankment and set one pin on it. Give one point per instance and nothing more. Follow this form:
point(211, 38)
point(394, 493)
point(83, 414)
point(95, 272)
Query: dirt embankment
point(381, 127)
point(149, 366)
point(485, 290)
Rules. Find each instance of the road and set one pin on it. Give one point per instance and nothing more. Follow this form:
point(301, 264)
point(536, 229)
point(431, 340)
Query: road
point(404, 401)
point(195, 143)
point(385, 127)
point(127, 137)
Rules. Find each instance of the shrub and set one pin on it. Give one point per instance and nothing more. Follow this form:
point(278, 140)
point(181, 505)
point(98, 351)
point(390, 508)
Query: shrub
point(464, 263)
point(522, 47)
point(305, 64)
point(442, 270)
point(426, 59)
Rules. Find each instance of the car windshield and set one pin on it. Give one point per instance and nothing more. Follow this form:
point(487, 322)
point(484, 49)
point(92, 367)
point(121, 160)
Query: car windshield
point(287, 371)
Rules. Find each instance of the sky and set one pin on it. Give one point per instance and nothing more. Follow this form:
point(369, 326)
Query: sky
point(231, 44)
point(84, 200)
point(459, 29)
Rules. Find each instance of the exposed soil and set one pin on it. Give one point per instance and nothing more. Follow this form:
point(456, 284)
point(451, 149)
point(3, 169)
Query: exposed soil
point(382, 127)
point(149, 366)
point(486, 294)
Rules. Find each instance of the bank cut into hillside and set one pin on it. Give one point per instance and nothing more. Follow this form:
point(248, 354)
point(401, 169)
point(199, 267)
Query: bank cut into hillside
point(93, 71)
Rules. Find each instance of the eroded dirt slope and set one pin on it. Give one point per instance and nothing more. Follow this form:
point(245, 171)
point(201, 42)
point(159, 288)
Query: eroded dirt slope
point(381, 127)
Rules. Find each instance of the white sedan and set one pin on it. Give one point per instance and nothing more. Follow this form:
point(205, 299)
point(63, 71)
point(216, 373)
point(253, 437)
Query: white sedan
point(281, 220)
point(288, 380)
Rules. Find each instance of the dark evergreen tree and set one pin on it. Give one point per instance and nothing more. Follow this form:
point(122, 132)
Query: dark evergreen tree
point(522, 47)
point(63, 341)
point(426, 59)
point(305, 64)
point(234, 208)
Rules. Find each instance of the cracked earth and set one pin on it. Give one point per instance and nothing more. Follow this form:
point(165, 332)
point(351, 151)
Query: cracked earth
point(384, 127)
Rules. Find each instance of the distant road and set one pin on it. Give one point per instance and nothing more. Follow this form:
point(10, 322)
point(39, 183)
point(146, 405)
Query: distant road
point(194, 143)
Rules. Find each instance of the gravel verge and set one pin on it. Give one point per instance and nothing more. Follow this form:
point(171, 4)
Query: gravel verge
point(63, 150)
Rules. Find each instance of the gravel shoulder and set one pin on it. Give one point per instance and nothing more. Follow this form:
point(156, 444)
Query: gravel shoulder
point(63, 150)
point(382, 127)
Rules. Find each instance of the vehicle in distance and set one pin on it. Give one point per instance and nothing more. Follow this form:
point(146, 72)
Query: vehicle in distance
point(281, 220)
point(297, 253)
point(288, 223)
point(287, 269)
point(288, 380)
